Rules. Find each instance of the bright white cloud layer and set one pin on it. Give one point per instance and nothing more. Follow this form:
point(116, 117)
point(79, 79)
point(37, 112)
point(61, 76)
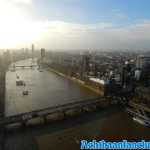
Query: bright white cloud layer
point(20, 1)
point(63, 35)
point(59, 34)
point(18, 30)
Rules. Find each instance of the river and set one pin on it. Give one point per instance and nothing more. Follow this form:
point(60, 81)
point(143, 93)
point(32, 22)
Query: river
point(45, 89)
point(48, 89)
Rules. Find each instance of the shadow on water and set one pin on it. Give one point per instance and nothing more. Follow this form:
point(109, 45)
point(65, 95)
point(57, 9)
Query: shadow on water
point(109, 124)
point(49, 89)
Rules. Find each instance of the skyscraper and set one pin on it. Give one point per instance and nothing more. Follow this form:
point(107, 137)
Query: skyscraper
point(32, 51)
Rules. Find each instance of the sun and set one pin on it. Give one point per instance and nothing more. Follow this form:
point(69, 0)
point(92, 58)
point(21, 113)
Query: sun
point(15, 28)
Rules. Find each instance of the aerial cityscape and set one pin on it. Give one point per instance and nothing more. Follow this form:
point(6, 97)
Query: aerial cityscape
point(74, 74)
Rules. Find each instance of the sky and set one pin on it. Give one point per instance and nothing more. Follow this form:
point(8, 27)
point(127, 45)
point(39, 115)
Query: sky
point(75, 24)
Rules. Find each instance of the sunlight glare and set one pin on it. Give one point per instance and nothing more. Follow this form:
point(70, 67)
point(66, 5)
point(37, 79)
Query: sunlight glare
point(15, 28)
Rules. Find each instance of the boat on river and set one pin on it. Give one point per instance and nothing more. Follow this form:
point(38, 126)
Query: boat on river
point(25, 92)
point(19, 82)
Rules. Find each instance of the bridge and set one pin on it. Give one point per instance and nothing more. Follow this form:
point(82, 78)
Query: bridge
point(139, 110)
point(43, 113)
point(23, 66)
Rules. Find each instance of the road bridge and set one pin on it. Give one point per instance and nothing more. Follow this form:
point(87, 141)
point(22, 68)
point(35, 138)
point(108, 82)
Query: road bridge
point(42, 113)
point(139, 110)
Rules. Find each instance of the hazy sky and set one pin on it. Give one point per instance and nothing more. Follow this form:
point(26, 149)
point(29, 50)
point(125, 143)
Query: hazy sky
point(75, 24)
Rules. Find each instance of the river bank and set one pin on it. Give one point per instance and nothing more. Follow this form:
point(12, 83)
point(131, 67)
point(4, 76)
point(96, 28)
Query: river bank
point(50, 89)
point(111, 124)
point(2, 93)
point(78, 81)
point(2, 107)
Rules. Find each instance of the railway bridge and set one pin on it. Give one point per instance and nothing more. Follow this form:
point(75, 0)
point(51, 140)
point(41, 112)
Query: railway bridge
point(14, 67)
point(24, 66)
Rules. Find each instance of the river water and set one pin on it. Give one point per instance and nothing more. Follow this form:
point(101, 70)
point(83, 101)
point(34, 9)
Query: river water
point(45, 89)
point(48, 89)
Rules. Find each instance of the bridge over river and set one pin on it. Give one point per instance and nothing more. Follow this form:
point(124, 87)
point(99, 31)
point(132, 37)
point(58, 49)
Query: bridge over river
point(47, 90)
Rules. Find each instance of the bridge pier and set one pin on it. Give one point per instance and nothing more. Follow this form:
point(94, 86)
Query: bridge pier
point(23, 124)
point(45, 119)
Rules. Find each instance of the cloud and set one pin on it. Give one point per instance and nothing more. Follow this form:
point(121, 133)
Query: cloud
point(66, 27)
point(17, 27)
point(118, 14)
point(121, 16)
point(68, 35)
point(21, 1)
point(58, 34)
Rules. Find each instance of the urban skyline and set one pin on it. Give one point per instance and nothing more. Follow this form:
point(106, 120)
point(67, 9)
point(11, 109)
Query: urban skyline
point(74, 74)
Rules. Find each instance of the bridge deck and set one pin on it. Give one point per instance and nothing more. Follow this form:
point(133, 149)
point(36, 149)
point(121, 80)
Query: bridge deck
point(50, 110)
point(139, 106)
point(132, 112)
point(23, 66)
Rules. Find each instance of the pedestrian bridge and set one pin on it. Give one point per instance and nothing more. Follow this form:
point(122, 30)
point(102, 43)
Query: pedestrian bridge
point(82, 105)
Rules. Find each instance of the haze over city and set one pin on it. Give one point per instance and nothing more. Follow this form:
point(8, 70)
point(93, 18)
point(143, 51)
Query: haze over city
point(67, 24)
point(74, 74)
